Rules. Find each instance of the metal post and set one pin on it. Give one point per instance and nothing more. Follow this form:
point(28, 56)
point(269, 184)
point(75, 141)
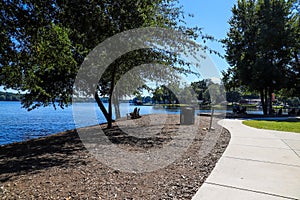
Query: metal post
point(211, 119)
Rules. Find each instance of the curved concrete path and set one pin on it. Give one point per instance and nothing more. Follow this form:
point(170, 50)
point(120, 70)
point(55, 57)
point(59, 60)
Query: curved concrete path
point(257, 164)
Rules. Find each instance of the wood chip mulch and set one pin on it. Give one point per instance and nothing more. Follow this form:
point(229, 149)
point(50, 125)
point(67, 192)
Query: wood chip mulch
point(60, 167)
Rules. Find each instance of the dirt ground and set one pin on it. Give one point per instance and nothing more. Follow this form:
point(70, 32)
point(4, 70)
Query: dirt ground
point(60, 166)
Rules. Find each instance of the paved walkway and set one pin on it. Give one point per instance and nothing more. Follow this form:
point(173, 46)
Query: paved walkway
point(257, 164)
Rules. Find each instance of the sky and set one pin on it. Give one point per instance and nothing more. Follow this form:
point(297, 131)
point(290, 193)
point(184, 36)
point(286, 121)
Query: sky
point(212, 16)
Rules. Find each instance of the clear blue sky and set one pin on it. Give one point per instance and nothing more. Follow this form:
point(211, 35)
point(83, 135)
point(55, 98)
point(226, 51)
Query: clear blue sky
point(213, 17)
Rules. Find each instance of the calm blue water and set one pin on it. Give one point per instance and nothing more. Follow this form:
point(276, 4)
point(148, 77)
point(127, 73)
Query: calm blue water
point(17, 124)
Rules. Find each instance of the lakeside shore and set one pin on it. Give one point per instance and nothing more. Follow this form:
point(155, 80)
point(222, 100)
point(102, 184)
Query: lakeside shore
point(60, 167)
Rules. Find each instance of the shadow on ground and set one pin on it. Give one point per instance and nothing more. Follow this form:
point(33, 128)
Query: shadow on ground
point(38, 154)
point(64, 150)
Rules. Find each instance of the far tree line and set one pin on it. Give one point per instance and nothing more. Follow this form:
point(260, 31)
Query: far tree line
point(7, 96)
point(196, 90)
point(200, 91)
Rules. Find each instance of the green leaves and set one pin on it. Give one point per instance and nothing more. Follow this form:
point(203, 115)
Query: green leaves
point(50, 75)
point(43, 44)
point(259, 45)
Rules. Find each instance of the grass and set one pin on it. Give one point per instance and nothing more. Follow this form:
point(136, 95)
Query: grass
point(172, 105)
point(290, 125)
point(244, 105)
point(278, 107)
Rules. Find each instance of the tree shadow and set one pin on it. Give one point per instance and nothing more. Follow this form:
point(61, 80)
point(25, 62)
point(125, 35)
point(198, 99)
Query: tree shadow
point(38, 154)
point(119, 137)
point(67, 149)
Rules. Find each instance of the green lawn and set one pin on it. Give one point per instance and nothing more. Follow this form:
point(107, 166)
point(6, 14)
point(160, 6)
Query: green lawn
point(292, 125)
point(172, 105)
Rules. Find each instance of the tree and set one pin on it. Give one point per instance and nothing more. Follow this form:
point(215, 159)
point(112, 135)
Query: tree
point(214, 93)
point(187, 95)
point(2, 98)
point(258, 47)
point(173, 93)
point(43, 45)
point(294, 83)
point(158, 95)
point(51, 48)
point(233, 96)
point(166, 94)
point(200, 87)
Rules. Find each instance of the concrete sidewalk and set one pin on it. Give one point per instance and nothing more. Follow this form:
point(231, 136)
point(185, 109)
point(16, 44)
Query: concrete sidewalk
point(257, 164)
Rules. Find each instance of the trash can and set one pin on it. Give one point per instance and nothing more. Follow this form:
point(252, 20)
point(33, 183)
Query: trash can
point(187, 115)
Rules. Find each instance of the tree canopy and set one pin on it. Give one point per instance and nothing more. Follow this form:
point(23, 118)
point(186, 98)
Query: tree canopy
point(260, 46)
point(43, 44)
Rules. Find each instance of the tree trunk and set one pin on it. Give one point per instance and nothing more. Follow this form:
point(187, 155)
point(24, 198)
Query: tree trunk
point(112, 85)
point(116, 105)
point(266, 101)
point(102, 107)
point(117, 110)
point(109, 122)
point(270, 101)
point(263, 102)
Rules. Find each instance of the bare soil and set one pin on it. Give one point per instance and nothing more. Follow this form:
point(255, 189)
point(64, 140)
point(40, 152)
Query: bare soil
point(60, 167)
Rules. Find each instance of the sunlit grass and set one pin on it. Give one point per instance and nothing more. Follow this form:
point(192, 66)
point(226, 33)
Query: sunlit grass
point(291, 125)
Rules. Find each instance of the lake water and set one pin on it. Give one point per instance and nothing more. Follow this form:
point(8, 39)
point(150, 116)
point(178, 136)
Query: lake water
point(17, 124)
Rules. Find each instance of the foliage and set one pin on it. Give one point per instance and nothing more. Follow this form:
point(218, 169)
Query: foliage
point(294, 81)
point(166, 95)
point(199, 88)
point(294, 101)
point(50, 49)
point(233, 96)
point(259, 46)
point(43, 44)
point(174, 94)
point(190, 94)
point(214, 94)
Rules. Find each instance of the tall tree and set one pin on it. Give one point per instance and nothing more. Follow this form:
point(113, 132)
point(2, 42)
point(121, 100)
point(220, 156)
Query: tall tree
point(295, 63)
point(258, 47)
point(167, 94)
point(200, 87)
point(43, 44)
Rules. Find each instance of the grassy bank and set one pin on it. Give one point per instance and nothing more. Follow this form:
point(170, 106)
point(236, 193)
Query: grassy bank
point(173, 105)
point(290, 125)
